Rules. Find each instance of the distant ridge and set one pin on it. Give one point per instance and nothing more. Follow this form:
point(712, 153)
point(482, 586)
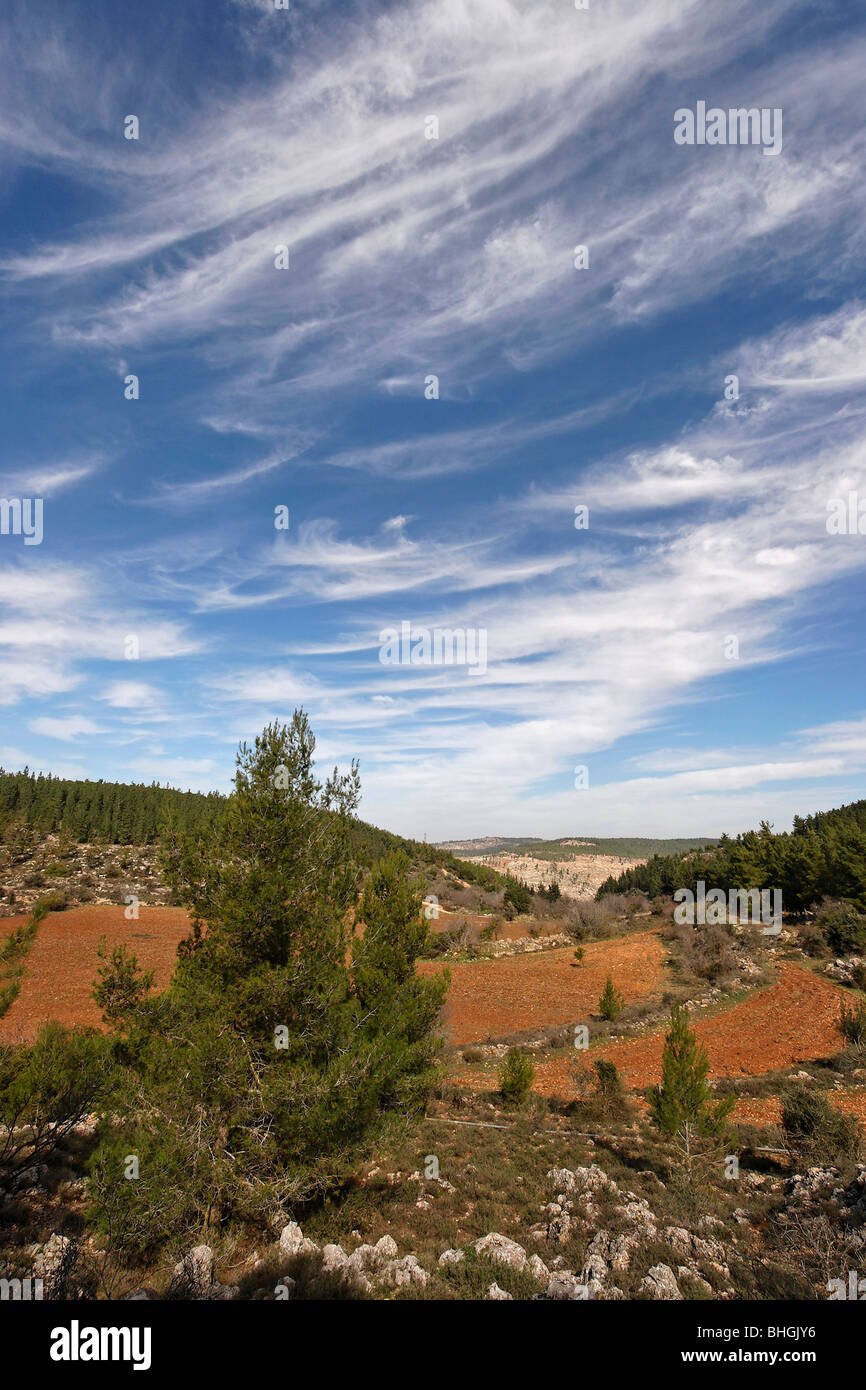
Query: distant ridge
point(571, 847)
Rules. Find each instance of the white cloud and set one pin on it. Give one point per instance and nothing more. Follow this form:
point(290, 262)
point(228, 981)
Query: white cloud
point(131, 695)
point(68, 728)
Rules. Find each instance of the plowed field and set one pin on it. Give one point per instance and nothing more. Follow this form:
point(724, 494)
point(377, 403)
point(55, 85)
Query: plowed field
point(794, 1020)
point(494, 998)
point(61, 965)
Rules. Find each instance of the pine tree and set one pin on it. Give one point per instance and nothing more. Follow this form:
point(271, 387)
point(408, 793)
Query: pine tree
point(683, 1106)
point(288, 1040)
point(516, 1076)
point(611, 1002)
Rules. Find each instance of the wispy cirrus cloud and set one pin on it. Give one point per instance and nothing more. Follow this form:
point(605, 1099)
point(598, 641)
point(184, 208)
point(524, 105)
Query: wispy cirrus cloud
point(558, 386)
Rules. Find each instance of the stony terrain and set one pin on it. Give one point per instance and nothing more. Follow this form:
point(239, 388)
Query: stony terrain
point(577, 878)
point(554, 1201)
point(501, 1211)
point(83, 873)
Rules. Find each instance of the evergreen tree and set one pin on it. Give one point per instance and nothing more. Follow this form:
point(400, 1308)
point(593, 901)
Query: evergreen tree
point(516, 1076)
point(288, 1041)
point(611, 1002)
point(683, 1106)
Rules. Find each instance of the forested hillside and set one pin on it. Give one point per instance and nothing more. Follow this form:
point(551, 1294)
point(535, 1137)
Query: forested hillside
point(109, 812)
point(120, 813)
point(824, 855)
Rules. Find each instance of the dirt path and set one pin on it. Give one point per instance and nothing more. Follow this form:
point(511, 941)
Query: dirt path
point(62, 962)
point(492, 998)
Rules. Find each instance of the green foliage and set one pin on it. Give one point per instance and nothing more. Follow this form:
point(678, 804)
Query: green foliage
point(49, 1087)
point(288, 1042)
point(823, 856)
point(815, 1129)
point(852, 1024)
point(683, 1106)
point(120, 813)
point(611, 1002)
point(516, 1076)
point(55, 901)
point(120, 984)
point(602, 1094)
point(608, 1083)
point(87, 812)
point(517, 898)
point(842, 927)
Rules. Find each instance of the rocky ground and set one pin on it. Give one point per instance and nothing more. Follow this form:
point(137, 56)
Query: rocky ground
point(579, 877)
point(499, 1217)
point(552, 1201)
point(81, 873)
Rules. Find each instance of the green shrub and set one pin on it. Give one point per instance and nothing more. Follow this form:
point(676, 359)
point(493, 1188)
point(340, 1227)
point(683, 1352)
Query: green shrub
point(120, 984)
point(49, 1087)
point(516, 1076)
point(50, 902)
point(815, 1129)
point(843, 927)
point(611, 1003)
point(683, 1106)
point(602, 1094)
point(852, 1024)
point(517, 899)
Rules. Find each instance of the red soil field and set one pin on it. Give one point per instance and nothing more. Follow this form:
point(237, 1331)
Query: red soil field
point(767, 1110)
point(61, 965)
point(794, 1020)
point(489, 998)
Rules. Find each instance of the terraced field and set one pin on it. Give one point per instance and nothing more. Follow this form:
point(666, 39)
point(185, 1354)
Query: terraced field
point(492, 998)
point(62, 962)
point(793, 1020)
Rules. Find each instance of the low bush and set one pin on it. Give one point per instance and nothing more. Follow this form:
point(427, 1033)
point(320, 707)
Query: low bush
point(842, 926)
point(48, 1088)
point(815, 1130)
point(516, 1076)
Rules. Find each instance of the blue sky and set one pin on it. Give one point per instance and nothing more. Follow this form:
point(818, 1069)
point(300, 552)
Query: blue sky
point(607, 647)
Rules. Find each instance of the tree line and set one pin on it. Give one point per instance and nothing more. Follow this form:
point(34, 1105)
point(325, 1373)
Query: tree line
point(824, 855)
point(137, 813)
point(88, 812)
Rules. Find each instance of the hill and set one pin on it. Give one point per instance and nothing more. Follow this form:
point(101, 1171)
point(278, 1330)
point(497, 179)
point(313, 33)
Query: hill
point(45, 819)
point(573, 847)
point(824, 855)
